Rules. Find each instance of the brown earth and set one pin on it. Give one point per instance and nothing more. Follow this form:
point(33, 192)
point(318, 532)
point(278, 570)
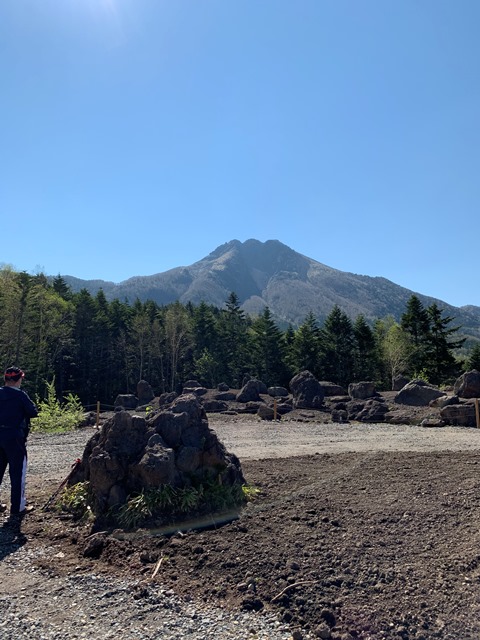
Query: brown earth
point(375, 539)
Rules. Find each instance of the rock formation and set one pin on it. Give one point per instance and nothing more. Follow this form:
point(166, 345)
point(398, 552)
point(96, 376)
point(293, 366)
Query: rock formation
point(173, 446)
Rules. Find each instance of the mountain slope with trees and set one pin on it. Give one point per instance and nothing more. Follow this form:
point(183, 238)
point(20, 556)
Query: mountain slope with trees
point(96, 348)
point(270, 274)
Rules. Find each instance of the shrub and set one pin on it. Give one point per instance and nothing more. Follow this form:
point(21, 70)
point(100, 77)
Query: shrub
point(76, 500)
point(56, 417)
point(209, 496)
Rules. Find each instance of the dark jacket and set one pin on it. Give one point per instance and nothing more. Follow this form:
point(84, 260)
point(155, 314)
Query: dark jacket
point(16, 409)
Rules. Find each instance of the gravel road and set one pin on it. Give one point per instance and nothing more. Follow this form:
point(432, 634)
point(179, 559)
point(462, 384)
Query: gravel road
point(38, 604)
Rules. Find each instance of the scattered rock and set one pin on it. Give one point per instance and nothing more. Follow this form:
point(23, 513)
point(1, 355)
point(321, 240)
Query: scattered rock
point(468, 385)
point(459, 415)
point(126, 401)
point(249, 392)
point(277, 392)
point(361, 390)
point(144, 392)
point(417, 393)
point(307, 391)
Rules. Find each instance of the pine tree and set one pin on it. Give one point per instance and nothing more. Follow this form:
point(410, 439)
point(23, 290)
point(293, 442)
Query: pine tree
point(268, 350)
point(440, 361)
point(416, 322)
point(365, 365)
point(234, 346)
point(304, 349)
point(473, 361)
point(337, 346)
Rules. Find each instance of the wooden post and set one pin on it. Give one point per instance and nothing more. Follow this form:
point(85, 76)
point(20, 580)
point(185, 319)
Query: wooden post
point(98, 414)
point(477, 413)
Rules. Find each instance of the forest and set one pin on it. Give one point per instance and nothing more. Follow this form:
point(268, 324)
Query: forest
point(96, 348)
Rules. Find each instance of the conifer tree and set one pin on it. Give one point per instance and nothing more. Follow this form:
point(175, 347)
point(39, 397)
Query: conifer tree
point(473, 361)
point(365, 353)
point(337, 347)
point(416, 322)
point(304, 350)
point(268, 350)
point(440, 361)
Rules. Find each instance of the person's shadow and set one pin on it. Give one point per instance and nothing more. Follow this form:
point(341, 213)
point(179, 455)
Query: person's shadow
point(11, 537)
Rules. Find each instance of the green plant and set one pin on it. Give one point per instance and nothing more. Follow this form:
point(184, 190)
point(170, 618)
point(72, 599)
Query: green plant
point(135, 511)
point(421, 375)
point(76, 499)
point(54, 416)
point(209, 495)
point(249, 492)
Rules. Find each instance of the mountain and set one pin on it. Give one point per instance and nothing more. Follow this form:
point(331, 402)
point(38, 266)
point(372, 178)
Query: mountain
point(271, 274)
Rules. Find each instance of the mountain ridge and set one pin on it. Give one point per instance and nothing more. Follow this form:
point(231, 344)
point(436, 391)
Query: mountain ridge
point(272, 274)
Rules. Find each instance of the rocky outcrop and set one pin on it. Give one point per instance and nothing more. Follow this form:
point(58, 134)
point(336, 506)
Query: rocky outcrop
point(173, 446)
point(417, 393)
point(468, 385)
point(307, 391)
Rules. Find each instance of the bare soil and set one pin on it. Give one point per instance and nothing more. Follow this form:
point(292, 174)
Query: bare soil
point(359, 531)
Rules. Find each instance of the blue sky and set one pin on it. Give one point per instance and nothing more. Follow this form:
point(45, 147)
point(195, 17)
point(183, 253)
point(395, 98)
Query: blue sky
point(138, 135)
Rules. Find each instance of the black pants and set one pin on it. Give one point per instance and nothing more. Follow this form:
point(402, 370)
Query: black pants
point(13, 452)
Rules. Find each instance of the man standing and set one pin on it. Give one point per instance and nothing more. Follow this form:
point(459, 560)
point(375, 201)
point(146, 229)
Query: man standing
point(16, 409)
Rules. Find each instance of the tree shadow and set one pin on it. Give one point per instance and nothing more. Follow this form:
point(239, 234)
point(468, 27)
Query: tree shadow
point(11, 537)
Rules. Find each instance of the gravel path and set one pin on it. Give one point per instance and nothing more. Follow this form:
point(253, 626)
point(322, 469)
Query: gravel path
point(37, 604)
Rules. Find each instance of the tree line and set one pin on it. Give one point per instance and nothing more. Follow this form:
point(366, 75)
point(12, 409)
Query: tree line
point(96, 348)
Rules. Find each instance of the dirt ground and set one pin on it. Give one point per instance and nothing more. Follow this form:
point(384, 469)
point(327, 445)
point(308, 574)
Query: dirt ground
point(359, 531)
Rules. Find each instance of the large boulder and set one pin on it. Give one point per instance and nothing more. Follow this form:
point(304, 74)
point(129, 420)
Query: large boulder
point(307, 391)
point(173, 446)
point(251, 391)
point(468, 385)
point(331, 389)
point(373, 411)
point(399, 382)
point(361, 390)
point(417, 393)
point(277, 392)
point(144, 392)
point(193, 386)
point(126, 401)
point(459, 415)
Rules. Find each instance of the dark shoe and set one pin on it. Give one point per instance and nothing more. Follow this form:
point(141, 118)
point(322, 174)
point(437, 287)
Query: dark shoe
point(19, 514)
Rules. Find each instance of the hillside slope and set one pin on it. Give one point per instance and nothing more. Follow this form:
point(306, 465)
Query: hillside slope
point(274, 275)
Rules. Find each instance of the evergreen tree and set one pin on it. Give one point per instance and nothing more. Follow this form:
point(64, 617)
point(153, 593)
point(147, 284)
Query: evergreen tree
point(473, 361)
point(365, 365)
point(268, 350)
point(440, 345)
point(416, 322)
point(304, 349)
point(337, 347)
point(233, 328)
point(62, 288)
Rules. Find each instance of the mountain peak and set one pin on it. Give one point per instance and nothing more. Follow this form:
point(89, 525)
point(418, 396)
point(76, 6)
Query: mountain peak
point(272, 274)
